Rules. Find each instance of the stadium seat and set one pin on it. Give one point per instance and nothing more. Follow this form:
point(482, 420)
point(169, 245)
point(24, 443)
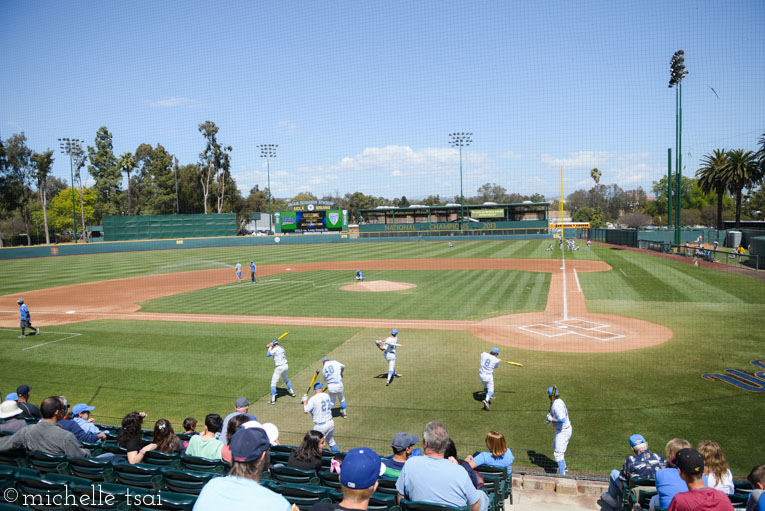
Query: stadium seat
point(507, 490)
point(141, 475)
point(494, 488)
point(302, 495)
point(204, 465)
point(377, 502)
point(742, 488)
point(739, 501)
point(165, 500)
point(387, 486)
point(91, 468)
point(631, 491)
point(329, 479)
point(284, 474)
point(67, 479)
point(95, 448)
point(113, 448)
point(162, 458)
point(7, 471)
point(278, 457)
point(14, 458)
point(45, 462)
point(98, 500)
point(186, 481)
point(39, 494)
point(408, 505)
point(282, 448)
point(10, 507)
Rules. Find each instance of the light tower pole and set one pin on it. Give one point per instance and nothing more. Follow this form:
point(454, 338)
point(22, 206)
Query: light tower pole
point(268, 151)
point(461, 139)
point(70, 146)
point(677, 73)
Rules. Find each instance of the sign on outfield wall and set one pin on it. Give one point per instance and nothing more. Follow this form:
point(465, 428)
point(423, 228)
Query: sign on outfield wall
point(487, 213)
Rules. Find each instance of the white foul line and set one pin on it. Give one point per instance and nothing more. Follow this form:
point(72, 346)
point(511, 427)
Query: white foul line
point(565, 300)
point(50, 342)
point(576, 277)
point(623, 272)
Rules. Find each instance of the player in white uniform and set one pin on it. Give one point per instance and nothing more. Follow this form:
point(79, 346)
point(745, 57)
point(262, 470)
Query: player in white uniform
point(238, 269)
point(333, 375)
point(489, 362)
point(558, 416)
point(280, 371)
point(320, 408)
point(388, 347)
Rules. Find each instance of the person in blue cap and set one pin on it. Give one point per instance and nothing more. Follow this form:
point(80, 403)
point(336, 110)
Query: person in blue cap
point(558, 416)
point(26, 319)
point(489, 362)
point(388, 347)
point(332, 371)
point(642, 465)
point(253, 269)
point(81, 415)
point(358, 477)
point(281, 369)
point(359, 275)
point(320, 408)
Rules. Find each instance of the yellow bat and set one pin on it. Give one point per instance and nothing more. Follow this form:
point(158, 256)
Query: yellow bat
point(513, 363)
point(285, 334)
point(313, 380)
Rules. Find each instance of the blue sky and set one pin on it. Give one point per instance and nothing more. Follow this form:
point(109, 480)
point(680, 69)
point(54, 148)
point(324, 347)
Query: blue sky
point(362, 95)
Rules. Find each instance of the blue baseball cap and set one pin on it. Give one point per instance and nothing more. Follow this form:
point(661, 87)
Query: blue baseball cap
point(361, 468)
point(318, 385)
point(82, 407)
point(636, 440)
point(394, 332)
point(550, 391)
point(325, 359)
point(12, 397)
point(275, 341)
point(20, 300)
point(495, 351)
point(249, 444)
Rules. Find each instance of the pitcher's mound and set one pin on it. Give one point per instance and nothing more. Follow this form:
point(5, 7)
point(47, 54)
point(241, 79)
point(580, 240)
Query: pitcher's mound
point(376, 286)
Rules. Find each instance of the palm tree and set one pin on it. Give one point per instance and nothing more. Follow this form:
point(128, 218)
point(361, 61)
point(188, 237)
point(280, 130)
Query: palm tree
point(711, 176)
point(595, 174)
point(127, 164)
point(741, 172)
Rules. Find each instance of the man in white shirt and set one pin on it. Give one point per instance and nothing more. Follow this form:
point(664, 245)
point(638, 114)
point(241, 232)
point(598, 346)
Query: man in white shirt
point(320, 408)
point(333, 375)
point(489, 362)
point(280, 371)
point(388, 347)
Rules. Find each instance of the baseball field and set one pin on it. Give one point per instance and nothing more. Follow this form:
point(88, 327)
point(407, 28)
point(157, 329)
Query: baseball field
point(626, 336)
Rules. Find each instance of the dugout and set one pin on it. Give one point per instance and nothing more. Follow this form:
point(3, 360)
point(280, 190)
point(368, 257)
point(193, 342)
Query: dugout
point(453, 219)
point(152, 227)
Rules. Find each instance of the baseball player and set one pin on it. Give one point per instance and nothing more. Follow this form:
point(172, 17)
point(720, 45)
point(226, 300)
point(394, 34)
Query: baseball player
point(320, 408)
point(280, 371)
point(26, 321)
point(489, 362)
point(238, 269)
point(558, 416)
point(252, 271)
point(388, 347)
point(333, 375)
point(359, 275)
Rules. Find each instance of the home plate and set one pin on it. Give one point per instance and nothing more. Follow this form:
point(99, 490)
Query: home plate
point(71, 312)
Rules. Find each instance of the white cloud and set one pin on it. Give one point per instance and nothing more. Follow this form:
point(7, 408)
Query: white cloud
point(578, 160)
point(286, 127)
point(397, 173)
point(510, 155)
point(173, 102)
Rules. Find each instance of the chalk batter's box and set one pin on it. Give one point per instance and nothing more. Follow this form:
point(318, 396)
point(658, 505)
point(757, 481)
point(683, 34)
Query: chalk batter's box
point(332, 220)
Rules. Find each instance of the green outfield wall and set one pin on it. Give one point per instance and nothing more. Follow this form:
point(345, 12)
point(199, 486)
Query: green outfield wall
point(160, 227)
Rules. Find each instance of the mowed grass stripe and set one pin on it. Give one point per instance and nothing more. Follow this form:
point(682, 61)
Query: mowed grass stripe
point(458, 294)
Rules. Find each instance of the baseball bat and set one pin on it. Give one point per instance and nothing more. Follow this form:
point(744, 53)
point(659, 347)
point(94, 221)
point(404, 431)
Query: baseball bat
point(285, 334)
point(313, 380)
point(513, 363)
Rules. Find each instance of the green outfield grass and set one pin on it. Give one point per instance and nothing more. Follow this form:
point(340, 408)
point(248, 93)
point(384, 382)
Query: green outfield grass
point(27, 274)
point(458, 294)
point(173, 369)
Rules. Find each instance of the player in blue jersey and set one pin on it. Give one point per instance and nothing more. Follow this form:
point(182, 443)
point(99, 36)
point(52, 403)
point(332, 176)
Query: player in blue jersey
point(26, 319)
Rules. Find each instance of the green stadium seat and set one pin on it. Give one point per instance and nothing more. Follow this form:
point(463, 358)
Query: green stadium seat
point(387, 486)
point(490, 472)
point(742, 487)
point(738, 501)
point(42, 495)
point(282, 448)
point(186, 481)
point(95, 448)
point(631, 490)
point(11, 507)
point(141, 475)
point(408, 505)
point(98, 492)
point(45, 462)
point(14, 458)
point(329, 479)
point(284, 474)
point(302, 495)
point(93, 469)
point(113, 448)
point(204, 465)
point(7, 471)
point(278, 457)
point(167, 501)
point(67, 479)
point(162, 458)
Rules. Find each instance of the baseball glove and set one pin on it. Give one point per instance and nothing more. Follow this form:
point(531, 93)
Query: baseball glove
point(378, 342)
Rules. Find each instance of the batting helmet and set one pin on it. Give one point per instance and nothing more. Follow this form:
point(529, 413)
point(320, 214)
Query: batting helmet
point(494, 351)
point(275, 342)
point(550, 392)
point(394, 332)
point(325, 359)
point(20, 300)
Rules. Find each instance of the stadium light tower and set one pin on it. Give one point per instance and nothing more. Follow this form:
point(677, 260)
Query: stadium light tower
point(268, 151)
point(677, 73)
point(461, 139)
point(72, 147)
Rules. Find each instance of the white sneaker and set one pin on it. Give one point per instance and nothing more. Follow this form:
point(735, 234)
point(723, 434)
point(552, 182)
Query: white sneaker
point(344, 414)
point(292, 393)
point(611, 501)
point(485, 404)
point(272, 401)
point(22, 337)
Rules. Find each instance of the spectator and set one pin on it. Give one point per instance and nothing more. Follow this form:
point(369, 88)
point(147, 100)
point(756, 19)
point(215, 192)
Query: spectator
point(643, 465)
point(46, 436)
point(668, 481)
point(206, 445)
point(358, 480)
point(10, 411)
point(757, 479)
point(189, 425)
point(716, 467)
point(308, 453)
point(70, 425)
point(699, 497)
point(271, 430)
point(402, 445)
point(165, 438)
point(451, 455)
point(12, 397)
point(240, 490)
point(81, 415)
point(233, 427)
point(337, 462)
point(28, 409)
point(431, 478)
point(499, 454)
point(130, 437)
point(241, 405)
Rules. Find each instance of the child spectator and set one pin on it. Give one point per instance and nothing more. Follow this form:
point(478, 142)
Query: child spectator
point(189, 425)
point(499, 454)
point(716, 467)
point(165, 438)
point(233, 426)
point(308, 454)
point(756, 499)
point(207, 445)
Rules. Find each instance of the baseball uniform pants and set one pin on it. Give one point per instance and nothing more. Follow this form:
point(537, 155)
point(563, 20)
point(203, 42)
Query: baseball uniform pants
point(328, 430)
point(336, 391)
point(280, 372)
point(560, 443)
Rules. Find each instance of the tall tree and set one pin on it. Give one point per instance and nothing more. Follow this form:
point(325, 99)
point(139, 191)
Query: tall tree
point(127, 164)
point(106, 172)
point(742, 171)
point(214, 163)
point(61, 207)
point(42, 163)
point(163, 179)
point(18, 177)
point(595, 174)
point(711, 176)
point(190, 189)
